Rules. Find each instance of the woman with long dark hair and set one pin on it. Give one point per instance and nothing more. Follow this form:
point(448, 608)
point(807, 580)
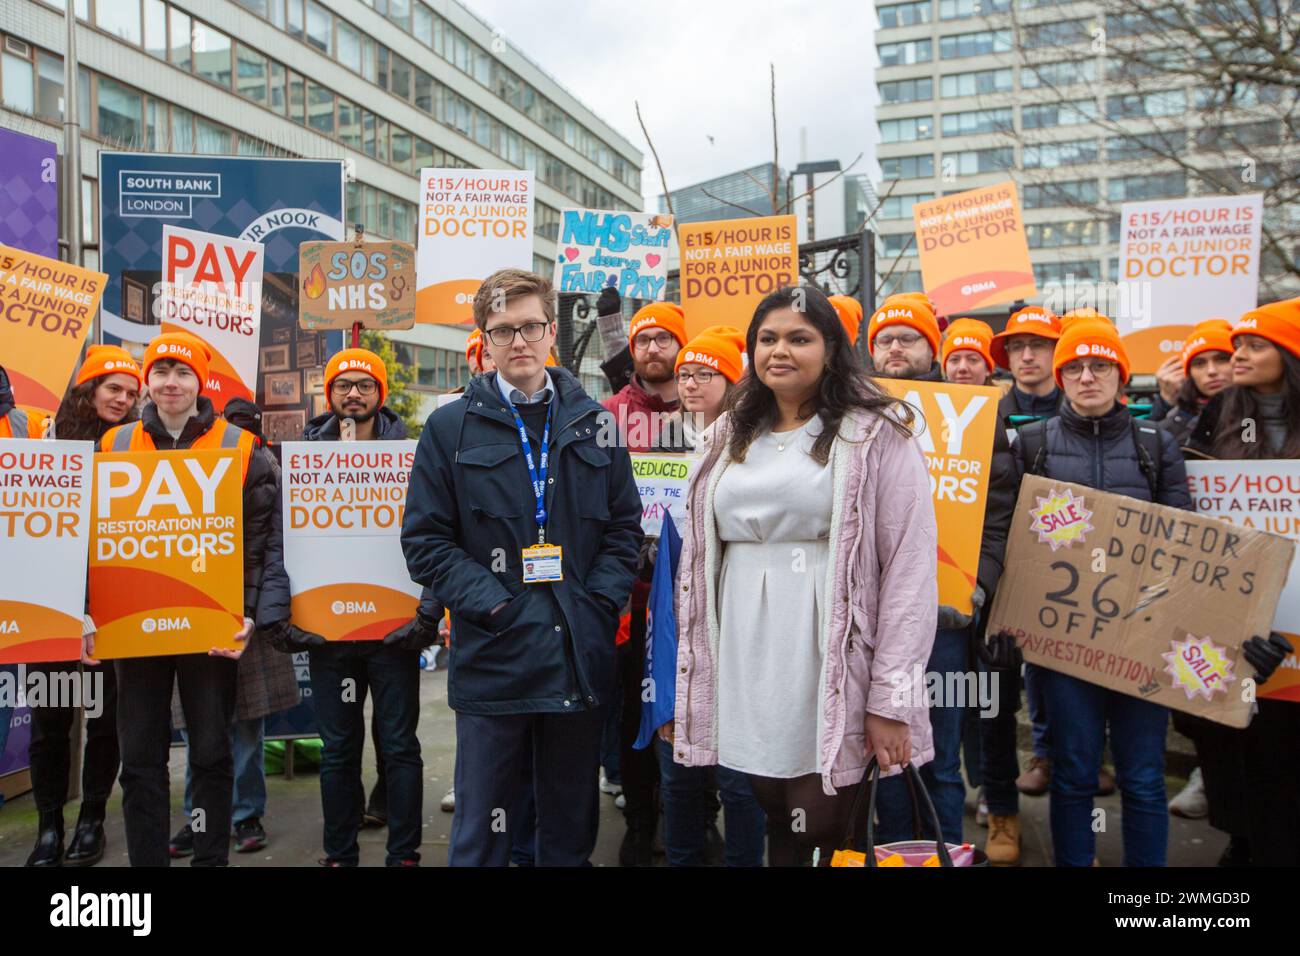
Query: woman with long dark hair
point(1206, 365)
point(104, 394)
point(807, 596)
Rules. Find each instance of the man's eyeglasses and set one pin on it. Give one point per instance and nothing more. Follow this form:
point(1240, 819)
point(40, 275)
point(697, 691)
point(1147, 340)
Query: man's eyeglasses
point(661, 341)
point(504, 335)
point(905, 339)
point(1015, 347)
point(702, 376)
point(1074, 370)
point(342, 386)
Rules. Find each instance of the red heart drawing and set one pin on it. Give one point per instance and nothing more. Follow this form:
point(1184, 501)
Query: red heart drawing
point(571, 252)
point(651, 259)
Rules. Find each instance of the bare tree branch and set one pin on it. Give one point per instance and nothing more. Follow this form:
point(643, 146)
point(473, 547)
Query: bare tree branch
point(663, 181)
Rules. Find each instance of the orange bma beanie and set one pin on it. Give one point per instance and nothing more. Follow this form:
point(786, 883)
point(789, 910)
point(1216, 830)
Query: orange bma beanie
point(358, 360)
point(180, 347)
point(850, 313)
point(1031, 320)
point(1212, 335)
point(718, 347)
point(910, 312)
point(1090, 337)
point(663, 315)
point(108, 360)
point(1279, 322)
point(972, 335)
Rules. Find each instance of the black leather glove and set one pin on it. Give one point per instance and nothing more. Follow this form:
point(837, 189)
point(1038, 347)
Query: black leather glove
point(998, 651)
point(619, 370)
point(1266, 655)
point(609, 301)
point(415, 635)
point(288, 638)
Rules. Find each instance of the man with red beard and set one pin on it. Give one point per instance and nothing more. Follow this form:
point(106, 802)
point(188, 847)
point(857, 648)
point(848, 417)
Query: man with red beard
point(657, 334)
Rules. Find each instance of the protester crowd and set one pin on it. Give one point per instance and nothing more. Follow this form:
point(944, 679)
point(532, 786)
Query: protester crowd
point(805, 587)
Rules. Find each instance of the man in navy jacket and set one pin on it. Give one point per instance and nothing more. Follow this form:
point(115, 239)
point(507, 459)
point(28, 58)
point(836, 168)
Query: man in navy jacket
point(532, 642)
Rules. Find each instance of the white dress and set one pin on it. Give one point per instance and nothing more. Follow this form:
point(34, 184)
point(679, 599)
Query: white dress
point(773, 516)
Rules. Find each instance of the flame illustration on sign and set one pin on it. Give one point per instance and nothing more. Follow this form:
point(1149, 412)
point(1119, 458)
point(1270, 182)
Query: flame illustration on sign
point(314, 285)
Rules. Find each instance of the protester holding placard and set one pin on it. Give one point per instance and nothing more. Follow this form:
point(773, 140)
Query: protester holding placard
point(14, 421)
point(103, 394)
point(793, 685)
point(1095, 442)
point(524, 519)
point(356, 382)
point(1257, 417)
point(178, 416)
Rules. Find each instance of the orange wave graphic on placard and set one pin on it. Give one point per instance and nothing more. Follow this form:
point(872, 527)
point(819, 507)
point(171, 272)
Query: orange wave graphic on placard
point(43, 634)
point(31, 394)
point(325, 611)
point(1009, 285)
point(1148, 348)
point(437, 305)
point(118, 592)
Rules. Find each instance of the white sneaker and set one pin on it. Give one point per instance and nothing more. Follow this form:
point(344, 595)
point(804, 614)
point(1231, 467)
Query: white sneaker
point(981, 810)
point(613, 789)
point(620, 801)
point(448, 803)
point(1191, 802)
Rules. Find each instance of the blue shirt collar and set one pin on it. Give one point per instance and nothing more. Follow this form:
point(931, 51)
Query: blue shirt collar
point(515, 396)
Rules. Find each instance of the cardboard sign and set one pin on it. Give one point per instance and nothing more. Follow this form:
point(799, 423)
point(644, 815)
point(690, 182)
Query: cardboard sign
point(729, 266)
point(472, 223)
point(212, 288)
point(167, 552)
point(1151, 601)
point(45, 528)
point(47, 307)
point(624, 250)
point(973, 249)
point(343, 506)
point(343, 283)
point(1190, 259)
point(1264, 495)
point(955, 429)
point(661, 481)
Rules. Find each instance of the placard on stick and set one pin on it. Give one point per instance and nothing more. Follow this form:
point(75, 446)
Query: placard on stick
point(347, 283)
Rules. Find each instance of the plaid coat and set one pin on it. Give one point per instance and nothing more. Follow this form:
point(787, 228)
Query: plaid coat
point(265, 684)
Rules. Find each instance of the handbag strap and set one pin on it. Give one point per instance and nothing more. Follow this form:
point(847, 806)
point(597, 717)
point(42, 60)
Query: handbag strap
point(919, 795)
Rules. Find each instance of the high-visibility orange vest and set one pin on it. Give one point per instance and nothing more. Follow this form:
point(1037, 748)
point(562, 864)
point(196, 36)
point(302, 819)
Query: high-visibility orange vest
point(222, 434)
point(18, 424)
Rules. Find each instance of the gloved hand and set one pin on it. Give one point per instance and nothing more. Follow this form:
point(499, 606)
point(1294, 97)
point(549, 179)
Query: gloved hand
point(609, 302)
point(999, 652)
point(951, 619)
point(415, 635)
point(288, 638)
point(619, 367)
point(1266, 655)
point(978, 597)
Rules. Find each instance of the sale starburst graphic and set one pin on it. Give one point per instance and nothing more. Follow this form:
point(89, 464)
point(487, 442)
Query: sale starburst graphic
point(1199, 666)
point(1060, 519)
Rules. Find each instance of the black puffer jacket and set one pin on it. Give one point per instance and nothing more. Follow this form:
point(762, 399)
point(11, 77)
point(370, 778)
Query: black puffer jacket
point(1178, 421)
point(1102, 453)
point(1016, 402)
point(275, 603)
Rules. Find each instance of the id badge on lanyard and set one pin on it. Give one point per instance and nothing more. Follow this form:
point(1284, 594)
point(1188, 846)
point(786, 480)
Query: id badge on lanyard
point(542, 562)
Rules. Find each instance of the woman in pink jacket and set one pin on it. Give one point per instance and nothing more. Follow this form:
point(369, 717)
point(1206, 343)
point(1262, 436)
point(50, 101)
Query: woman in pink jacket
point(807, 595)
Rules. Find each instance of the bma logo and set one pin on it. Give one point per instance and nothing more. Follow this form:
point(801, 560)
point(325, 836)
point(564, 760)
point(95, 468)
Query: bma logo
point(353, 607)
point(168, 348)
point(884, 314)
point(111, 364)
point(1245, 324)
point(9, 627)
point(701, 358)
point(356, 364)
point(151, 624)
point(1094, 349)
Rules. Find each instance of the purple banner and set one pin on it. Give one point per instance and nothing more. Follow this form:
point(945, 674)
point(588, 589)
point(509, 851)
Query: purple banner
point(29, 194)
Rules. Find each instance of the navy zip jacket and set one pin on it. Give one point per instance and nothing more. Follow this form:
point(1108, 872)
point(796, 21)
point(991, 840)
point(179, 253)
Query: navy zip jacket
point(469, 515)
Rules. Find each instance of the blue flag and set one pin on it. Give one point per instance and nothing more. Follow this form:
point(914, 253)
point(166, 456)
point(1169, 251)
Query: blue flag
point(659, 687)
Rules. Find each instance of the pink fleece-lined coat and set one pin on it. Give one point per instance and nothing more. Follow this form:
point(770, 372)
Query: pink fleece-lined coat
point(878, 634)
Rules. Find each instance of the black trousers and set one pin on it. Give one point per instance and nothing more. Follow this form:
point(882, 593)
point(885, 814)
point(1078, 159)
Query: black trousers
point(1272, 791)
point(1221, 754)
point(639, 769)
point(144, 695)
point(51, 752)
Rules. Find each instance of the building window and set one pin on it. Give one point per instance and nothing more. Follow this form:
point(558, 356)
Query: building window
point(119, 111)
point(277, 99)
point(1053, 195)
point(1133, 105)
point(18, 84)
point(975, 84)
point(976, 121)
point(250, 71)
point(972, 162)
point(961, 45)
point(155, 28)
point(1070, 153)
point(900, 207)
point(1052, 235)
point(908, 167)
point(320, 109)
point(907, 129)
point(320, 27)
point(120, 18)
point(1086, 269)
point(1058, 33)
point(1061, 73)
point(423, 24)
point(1156, 186)
point(350, 124)
point(1048, 115)
point(180, 40)
point(907, 91)
point(898, 244)
point(904, 14)
point(901, 54)
point(213, 138)
point(1146, 145)
point(349, 40)
point(49, 86)
point(182, 130)
point(212, 54)
point(964, 9)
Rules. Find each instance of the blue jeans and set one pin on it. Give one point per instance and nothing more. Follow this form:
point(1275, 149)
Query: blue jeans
point(683, 791)
point(250, 772)
point(1037, 710)
point(942, 775)
point(1079, 712)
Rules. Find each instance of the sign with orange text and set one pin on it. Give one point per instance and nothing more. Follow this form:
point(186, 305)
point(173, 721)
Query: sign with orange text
point(343, 506)
point(472, 223)
point(973, 249)
point(167, 552)
point(47, 308)
point(729, 266)
point(212, 288)
point(1264, 495)
point(343, 283)
point(1183, 261)
point(955, 430)
point(45, 529)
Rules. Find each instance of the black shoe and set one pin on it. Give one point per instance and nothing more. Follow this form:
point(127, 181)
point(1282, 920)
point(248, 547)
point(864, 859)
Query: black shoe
point(715, 848)
point(637, 848)
point(87, 846)
point(249, 836)
point(334, 864)
point(182, 844)
point(49, 840)
point(1237, 852)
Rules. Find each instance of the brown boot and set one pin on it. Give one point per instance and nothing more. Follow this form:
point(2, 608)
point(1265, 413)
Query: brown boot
point(1003, 845)
point(1105, 782)
point(1035, 781)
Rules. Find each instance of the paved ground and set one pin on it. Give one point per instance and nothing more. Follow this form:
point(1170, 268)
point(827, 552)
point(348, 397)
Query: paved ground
point(293, 819)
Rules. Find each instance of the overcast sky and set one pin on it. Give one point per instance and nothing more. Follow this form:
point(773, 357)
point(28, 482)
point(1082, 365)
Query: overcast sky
point(700, 70)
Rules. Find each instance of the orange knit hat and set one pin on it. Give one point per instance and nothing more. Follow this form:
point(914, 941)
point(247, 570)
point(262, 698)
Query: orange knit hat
point(664, 315)
point(1075, 315)
point(1212, 335)
point(358, 360)
point(181, 347)
point(474, 348)
point(1031, 320)
point(107, 360)
point(718, 347)
point(850, 312)
point(969, 334)
point(1279, 322)
point(909, 311)
point(1095, 337)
